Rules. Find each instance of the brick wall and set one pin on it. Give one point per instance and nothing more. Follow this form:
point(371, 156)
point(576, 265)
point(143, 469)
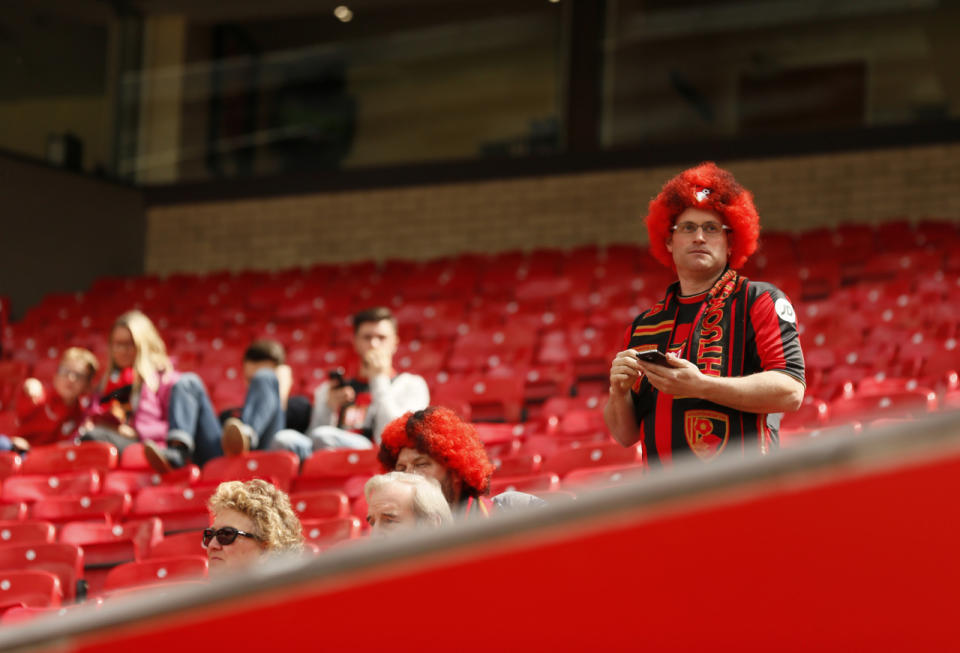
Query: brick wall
point(792, 193)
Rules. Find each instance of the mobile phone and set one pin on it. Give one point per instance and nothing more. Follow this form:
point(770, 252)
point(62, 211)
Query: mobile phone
point(654, 356)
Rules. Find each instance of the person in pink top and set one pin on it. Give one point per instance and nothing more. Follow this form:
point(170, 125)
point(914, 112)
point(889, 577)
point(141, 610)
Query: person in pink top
point(160, 404)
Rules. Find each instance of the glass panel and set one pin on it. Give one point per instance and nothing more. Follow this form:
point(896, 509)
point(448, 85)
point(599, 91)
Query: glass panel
point(693, 70)
point(384, 83)
point(55, 92)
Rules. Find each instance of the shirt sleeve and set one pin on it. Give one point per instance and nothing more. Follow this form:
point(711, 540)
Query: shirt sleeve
point(391, 399)
point(774, 322)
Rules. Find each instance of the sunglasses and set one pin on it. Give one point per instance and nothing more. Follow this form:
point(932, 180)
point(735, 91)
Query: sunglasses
point(225, 536)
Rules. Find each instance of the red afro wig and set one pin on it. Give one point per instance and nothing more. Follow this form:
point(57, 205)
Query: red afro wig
point(709, 188)
point(442, 435)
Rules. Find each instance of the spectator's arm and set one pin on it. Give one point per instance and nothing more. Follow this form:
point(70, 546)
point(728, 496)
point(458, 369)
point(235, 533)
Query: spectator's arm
point(321, 415)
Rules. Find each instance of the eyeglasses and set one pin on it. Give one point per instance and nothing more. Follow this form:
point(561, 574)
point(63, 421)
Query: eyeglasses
point(709, 228)
point(225, 536)
point(73, 375)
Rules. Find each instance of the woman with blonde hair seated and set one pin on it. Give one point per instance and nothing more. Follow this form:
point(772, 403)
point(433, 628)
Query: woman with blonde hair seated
point(251, 520)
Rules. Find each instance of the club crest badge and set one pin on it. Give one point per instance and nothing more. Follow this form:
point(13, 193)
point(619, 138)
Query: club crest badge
point(707, 432)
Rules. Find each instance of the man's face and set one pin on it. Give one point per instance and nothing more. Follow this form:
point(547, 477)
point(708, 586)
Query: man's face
point(699, 253)
point(414, 462)
point(71, 380)
point(375, 336)
point(390, 509)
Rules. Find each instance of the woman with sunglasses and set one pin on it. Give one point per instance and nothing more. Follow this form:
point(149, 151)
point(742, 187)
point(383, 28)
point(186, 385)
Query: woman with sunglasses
point(251, 519)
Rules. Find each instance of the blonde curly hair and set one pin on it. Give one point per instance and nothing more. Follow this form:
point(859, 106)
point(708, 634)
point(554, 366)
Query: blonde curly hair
point(267, 506)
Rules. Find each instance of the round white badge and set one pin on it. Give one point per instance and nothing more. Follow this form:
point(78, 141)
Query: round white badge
point(785, 310)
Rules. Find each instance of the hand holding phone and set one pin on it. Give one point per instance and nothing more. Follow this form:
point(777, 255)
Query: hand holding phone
point(654, 356)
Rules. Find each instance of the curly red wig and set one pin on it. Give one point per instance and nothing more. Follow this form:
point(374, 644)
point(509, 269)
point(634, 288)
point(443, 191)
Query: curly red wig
point(441, 434)
point(709, 188)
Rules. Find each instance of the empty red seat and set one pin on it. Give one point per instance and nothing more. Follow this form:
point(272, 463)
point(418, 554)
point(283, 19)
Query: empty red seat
point(156, 570)
point(105, 507)
point(18, 615)
point(63, 560)
point(328, 531)
point(600, 455)
point(278, 467)
point(517, 465)
point(341, 463)
point(29, 588)
point(13, 511)
point(532, 483)
point(320, 504)
point(34, 487)
point(27, 532)
point(179, 544)
point(883, 406)
point(10, 462)
point(603, 476)
point(110, 544)
point(132, 481)
point(181, 509)
point(57, 459)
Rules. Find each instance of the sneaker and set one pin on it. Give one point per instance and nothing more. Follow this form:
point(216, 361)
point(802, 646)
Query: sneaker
point(163, 460)
point(236, 437)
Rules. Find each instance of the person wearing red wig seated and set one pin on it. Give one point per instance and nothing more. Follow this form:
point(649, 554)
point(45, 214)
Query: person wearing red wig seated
point(436, 443)
point(733, 359)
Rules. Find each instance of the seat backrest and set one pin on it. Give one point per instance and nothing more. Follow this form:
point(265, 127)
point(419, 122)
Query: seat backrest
point(179, 544)
point(162, 499)
point(603, 476)
point(10, 463)
point(341, 463)
point(331, 530)
point(34, 487)
point(63, 509)
point(27, 532)
point(32, 588)
point(566, 460)
point(320, 504)
point(144, 533)
point(156, 570)
point(56, 459)
point(533, 483)
point(13, 511)
point(517, 465)
point(63, 560)
point(279, 467)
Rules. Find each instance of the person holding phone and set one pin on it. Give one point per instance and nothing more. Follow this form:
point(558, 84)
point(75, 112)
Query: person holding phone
point(352, 413)
point(709, 369)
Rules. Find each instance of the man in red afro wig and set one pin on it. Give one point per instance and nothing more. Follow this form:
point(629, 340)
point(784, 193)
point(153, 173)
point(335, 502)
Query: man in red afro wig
point(711, 368)
point(706, 188)
point(436, 443)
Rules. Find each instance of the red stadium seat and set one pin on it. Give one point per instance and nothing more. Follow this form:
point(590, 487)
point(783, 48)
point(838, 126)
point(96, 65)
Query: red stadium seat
point(884, 406)
point(18, 615)
point(156, 570)
point(352, 486)
point(321, 504)
point(133, 457)
point(517, 465)
point(327, 531)
point(181, 509)
point(603, 476)
point(29, 588)
point(813, 414)
point(63, 560)
point(532, 483)
point(179, 544)
point(13, 511)
point(341, 463)
point(10, 463)
point(600, 455)
point(119, 481)
point(35, 487)
point(57, 459)
point(27, 532)
point(278, 467)
point(106, 544)
point(107, 507)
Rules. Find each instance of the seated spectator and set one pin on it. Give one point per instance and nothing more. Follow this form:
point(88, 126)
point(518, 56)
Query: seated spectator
point(261, 417)
point(437, 444)
point(251, 520)
point(351, 413)
point(48, 414)
point(398, 502)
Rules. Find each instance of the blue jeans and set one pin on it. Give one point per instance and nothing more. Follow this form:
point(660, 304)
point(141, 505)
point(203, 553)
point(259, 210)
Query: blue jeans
point(262, 410)
point(192, 420)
